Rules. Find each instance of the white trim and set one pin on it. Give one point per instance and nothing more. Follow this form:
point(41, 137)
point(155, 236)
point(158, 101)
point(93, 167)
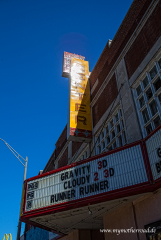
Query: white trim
point(94, 86)
point(79, 153)
point(62, 151)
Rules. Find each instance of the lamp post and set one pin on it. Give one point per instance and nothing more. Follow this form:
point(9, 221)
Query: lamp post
point(20, 158)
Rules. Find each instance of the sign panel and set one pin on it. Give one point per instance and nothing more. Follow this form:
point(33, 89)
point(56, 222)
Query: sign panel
point(79, 111)
point(67, 63)
point(153, 145)
point(101, 175)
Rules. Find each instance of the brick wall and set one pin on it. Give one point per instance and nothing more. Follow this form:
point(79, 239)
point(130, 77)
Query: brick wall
point(105, 100)
point(129, 24)
point(61, 142)
point(75, 147)
point(99, 65)
point(101, 78)
point(58, 147)
point(50, 164)
point(63, 161)
point(144, 41)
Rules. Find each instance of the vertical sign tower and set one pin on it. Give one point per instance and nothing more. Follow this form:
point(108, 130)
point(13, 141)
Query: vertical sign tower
point(79, 111)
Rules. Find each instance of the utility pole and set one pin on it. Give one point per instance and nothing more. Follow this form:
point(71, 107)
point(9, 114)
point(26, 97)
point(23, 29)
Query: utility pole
point(20, 158)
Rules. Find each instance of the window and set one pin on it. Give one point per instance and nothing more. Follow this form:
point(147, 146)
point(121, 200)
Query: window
point(138, 90)
point(99, 149)
point(102, 134)
point(107, 130)
point(114, 145)
point(157, 122)
point(110, 148)
point(120, 141)
point(159, 63)
point(111, 123)
point(157, 84)
point(145, 115)
point(149, 129)
point(147, 104)
point(124, 137)
point(141, 101)
point(113, 137)
point(108, 140)
point(118, 128)
point(159, 97)
point(145, 82)
point(116, 117)
point(149, 93)
point(153, 72)
point(113, 134)
point(153, 107)
point(122, 123)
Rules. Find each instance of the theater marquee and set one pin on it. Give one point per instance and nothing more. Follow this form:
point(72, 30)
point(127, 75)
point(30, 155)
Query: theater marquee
point(86, 180)
point(153, 145)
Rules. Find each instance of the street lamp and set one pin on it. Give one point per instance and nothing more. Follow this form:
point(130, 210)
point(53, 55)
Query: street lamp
point(18, 156)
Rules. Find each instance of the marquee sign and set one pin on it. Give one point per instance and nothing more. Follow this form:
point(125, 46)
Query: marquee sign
point(88, 179)
point(58, 200)
point(153, 144)
point(79, 111)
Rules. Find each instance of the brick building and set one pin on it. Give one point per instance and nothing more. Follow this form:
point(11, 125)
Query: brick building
point(125, 87)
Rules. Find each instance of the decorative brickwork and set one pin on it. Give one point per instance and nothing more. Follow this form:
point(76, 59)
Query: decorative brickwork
point(99, 65)
point(104, 101)
point(61, 142)
point(50, 164)
point(144, 41)
point(75, 147)
point(63, 161)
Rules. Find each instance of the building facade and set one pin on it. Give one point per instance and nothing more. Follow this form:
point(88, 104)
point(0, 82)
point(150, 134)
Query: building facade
point(125, 87)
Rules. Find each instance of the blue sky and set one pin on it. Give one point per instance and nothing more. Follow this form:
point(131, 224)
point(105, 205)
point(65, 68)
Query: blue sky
point(33, 95)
